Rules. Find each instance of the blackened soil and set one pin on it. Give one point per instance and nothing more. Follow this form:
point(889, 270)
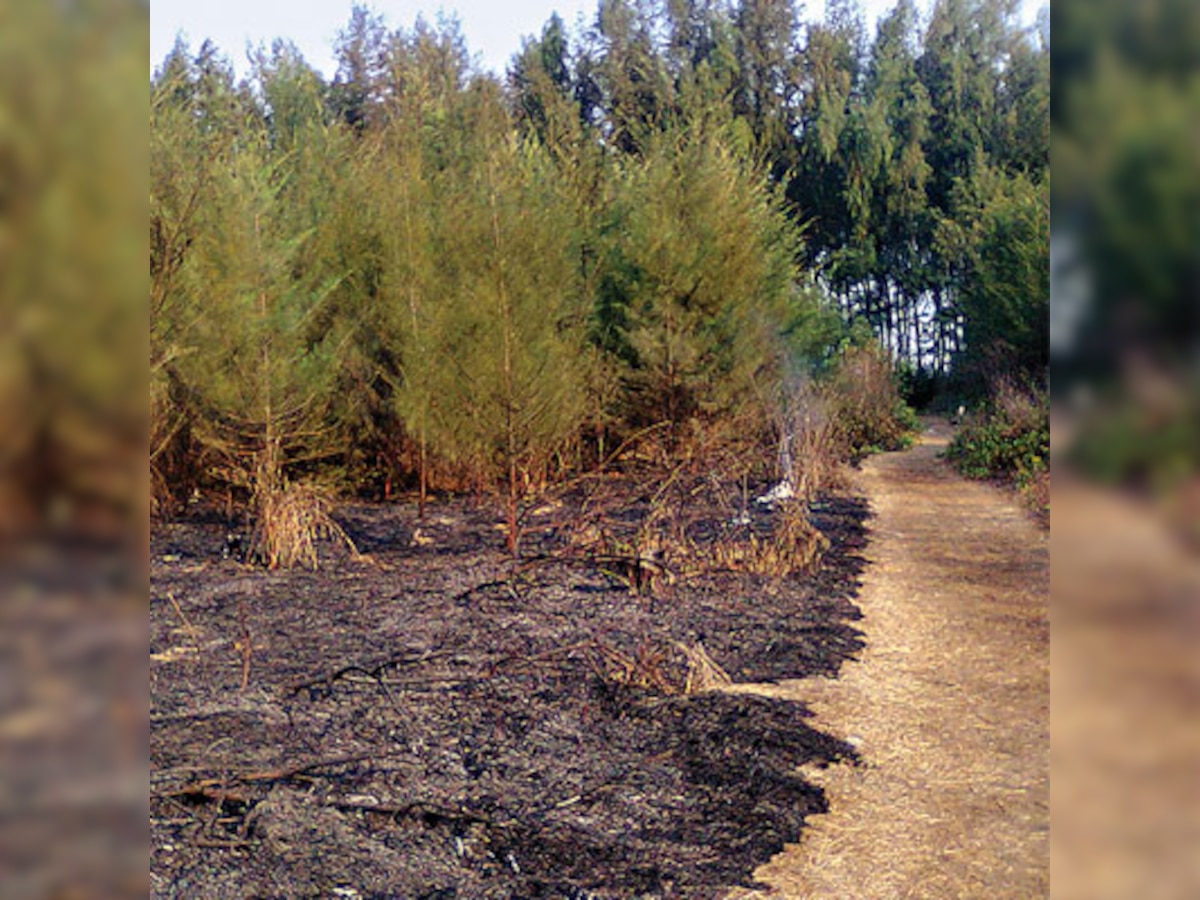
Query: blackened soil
point(436, 721)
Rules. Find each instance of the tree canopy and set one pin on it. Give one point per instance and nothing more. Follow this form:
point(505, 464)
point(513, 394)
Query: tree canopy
point(417, 268)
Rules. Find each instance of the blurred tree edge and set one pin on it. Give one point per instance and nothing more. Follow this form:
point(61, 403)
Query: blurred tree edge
point(1126, 272)
point(72, 277)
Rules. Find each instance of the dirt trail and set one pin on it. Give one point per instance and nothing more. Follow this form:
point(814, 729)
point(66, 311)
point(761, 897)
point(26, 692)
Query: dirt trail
point(948, 705)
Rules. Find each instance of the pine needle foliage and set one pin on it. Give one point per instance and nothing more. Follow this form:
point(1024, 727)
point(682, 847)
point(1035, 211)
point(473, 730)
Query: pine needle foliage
point(257, 355)
point(709, 279)
point(405, 218)
point(510, 389)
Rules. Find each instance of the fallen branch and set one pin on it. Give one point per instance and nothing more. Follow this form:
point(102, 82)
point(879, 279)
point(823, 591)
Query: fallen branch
point(371, 670)
point(218, 788)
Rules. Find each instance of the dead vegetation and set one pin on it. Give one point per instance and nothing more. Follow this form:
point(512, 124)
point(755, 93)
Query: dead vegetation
point(291, 520)
point(456, 720)
point(703, 673)
point(793, 545)
point(812, 455)
point(865, 403)
point(656, 667)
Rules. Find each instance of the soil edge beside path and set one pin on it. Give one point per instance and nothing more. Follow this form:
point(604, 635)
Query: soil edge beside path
point(948, 704)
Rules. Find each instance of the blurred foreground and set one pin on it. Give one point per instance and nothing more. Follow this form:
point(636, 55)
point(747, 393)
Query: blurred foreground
point(1125, 684)
point(73, 388)
point(1125, 341)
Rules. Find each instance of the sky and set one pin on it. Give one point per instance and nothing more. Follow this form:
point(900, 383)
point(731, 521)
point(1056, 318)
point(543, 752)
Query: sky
point(493, 28)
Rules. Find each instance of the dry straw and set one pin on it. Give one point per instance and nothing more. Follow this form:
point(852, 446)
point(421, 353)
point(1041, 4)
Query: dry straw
point(795, 545)
point(650, 668)
point(703, 673)
point(290, 523)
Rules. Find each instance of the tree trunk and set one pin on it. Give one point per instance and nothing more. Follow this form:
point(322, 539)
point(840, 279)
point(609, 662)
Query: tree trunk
point(507, 379)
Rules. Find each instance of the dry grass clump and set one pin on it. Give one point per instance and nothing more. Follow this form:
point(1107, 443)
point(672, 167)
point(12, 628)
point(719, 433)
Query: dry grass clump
point(655, 668)
point(865, 400)
point(291, 520)
point(795, 545)
point(703, 673)
point(646, 668)
point(1020, 407)
point(815, 449)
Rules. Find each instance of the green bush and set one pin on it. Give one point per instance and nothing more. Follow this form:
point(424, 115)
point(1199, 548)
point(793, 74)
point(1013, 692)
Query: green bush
point(1009, 439)
point(1129, 445)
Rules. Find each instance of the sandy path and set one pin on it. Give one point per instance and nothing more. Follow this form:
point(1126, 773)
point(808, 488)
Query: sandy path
point(949, 704)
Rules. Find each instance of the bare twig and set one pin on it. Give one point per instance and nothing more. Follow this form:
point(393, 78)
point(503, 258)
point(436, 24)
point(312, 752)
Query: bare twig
point(188, 626)
point(247, 642)
point(218, 788)
point(372, 670)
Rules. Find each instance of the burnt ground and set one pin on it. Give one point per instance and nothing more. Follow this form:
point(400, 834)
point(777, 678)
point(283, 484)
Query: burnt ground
point(435, 721)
